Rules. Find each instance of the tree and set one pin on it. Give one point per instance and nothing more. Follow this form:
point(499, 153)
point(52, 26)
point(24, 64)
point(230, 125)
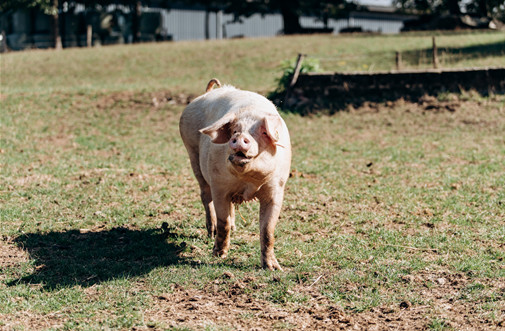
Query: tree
point(291, 10)
point(50, 7)
point(54, 7)
point(481, 8)
point(6, 5)
point(493, 8)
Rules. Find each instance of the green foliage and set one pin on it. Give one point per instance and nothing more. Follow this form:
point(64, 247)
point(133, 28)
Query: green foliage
point(288, 68)
point(481, 8)
point(290, 10)
point(45, 5)
point(439, 324)
point(309, 64)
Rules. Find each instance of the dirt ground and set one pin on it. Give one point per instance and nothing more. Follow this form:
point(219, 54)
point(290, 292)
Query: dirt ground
point(196, 309)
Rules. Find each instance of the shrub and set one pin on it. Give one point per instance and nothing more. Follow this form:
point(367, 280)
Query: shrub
point(288, 69)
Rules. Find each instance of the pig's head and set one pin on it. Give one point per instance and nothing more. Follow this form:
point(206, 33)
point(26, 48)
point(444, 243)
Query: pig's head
point(248, 136)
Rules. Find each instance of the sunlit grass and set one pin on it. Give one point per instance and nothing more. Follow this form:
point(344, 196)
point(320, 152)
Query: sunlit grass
point(385, 206)
point(252, 64)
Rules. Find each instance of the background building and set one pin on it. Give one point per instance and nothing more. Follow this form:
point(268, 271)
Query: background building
point(25, 29)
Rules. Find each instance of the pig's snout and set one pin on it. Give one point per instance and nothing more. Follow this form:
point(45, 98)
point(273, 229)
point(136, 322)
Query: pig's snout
point(240, 143)
point(243, 149)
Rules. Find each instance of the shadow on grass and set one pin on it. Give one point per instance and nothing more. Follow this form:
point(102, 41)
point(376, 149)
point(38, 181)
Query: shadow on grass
point(74, 258)
point(455, 54)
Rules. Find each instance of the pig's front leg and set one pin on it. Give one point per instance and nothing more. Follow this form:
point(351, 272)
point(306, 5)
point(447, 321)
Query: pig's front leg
point(210, 213)
point(232, 218)
point(270, 208)
point(224, 211)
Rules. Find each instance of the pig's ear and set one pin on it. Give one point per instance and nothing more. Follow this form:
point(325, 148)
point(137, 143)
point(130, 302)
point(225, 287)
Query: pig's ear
point(272, 128)
point(219, 131)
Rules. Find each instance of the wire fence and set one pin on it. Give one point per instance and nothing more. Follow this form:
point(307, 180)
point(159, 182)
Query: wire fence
point(434, 57)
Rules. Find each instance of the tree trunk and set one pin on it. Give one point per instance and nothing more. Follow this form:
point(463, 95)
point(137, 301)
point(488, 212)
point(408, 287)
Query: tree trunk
point(290, 17)
point(56, 26)
point(453, 6)
point(33, 18)
point(483, 11)
point(136, 21)
point(207, 19)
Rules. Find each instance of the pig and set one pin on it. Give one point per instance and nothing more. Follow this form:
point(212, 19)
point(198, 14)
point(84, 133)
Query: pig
point(239, 148)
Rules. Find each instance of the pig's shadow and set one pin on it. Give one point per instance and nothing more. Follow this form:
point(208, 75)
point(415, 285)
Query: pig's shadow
point(71, 258)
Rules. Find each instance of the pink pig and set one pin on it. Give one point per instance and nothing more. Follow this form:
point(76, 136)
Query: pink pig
point(239, 149)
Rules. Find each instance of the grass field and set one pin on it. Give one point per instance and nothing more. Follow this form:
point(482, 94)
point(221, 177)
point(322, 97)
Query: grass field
point(249, 63)
point(394, 216)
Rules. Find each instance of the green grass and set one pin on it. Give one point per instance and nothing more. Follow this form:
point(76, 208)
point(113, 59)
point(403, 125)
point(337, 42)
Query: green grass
point(384, 207)
point(250, 63)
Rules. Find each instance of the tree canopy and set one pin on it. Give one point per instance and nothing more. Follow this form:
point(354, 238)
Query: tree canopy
point(46, 5)
point(481, 8)
point(291, 10)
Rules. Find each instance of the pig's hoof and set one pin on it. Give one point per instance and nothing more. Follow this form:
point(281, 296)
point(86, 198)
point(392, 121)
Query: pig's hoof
point(271, 264)
point(220, 253)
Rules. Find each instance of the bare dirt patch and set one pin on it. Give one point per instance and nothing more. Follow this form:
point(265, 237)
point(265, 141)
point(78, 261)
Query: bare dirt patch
point(26, 320)
point(38, 180)
point(233, 308)
point(10, 255)
point(149, 99)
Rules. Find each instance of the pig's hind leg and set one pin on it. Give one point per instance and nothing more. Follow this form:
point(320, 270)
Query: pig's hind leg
point(210, 213)
point(205, 195)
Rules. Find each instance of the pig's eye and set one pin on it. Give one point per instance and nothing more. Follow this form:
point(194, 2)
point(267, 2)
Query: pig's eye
point(234, 132)
point(264, 133)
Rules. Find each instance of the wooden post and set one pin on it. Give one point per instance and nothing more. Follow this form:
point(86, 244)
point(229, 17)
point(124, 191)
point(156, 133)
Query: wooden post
point(3, 42)
point(398, 60)
point(56, 26)
point(296, 73)
point(435, 56)
point(89, 35)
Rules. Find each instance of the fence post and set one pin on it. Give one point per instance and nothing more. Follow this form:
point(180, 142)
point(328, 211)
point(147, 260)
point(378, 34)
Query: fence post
point(3, 42)
point(89, 35)
point(398, 60)
point(296, 73)
point(435, 56)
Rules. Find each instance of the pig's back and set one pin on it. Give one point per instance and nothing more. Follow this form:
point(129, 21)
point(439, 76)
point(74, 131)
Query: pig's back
point(211, 106)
